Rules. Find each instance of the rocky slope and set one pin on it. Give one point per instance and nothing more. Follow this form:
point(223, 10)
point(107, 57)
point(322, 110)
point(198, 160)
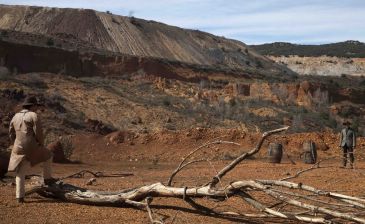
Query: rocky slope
point(139, 102)
point(91, 81)
point(132, 36)
point(344, 58)
point(323, 65)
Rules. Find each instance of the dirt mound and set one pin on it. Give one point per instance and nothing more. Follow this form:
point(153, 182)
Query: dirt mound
point(132, 36)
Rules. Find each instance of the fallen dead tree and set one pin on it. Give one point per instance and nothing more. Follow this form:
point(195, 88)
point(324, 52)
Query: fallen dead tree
point(271, 198)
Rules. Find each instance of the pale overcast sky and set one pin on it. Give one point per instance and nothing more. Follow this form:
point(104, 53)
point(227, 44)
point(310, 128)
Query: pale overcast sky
point(250, 21)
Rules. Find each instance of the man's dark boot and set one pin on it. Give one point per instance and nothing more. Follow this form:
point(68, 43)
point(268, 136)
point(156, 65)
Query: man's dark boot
point(20, 200)
point(50, 181)
point(344, 161)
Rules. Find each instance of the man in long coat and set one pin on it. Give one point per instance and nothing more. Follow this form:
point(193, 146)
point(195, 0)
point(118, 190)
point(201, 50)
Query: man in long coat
point(26, 132)
point(348, 144)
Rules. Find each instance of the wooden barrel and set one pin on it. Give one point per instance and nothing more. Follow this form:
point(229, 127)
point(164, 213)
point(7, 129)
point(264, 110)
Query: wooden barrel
point(275, 152)
point(309, 152)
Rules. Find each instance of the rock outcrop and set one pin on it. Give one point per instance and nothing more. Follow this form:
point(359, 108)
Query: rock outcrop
point(324, 65)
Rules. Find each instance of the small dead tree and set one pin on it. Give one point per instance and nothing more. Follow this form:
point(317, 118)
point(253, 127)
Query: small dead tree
point(289, 201)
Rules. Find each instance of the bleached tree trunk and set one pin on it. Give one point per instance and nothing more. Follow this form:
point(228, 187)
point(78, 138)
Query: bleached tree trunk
point(294, 196)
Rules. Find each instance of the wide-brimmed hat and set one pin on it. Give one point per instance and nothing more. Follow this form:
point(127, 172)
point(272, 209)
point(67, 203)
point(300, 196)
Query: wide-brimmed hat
point(346, 123)
point(30, 101)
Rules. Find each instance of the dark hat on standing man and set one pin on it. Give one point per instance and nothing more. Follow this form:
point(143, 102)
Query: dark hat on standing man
point(346, 123)
point(30, 101)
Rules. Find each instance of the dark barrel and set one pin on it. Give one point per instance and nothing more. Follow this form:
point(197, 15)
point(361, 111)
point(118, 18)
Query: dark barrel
point(309, 152)
point(275, 152)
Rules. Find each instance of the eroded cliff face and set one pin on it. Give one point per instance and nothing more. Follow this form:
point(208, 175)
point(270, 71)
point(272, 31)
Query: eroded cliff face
point(324, 65)
point(26, 58)
point(305, 93)
point(132, 36)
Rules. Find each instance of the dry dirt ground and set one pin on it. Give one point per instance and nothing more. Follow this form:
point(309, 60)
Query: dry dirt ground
point(154, 162)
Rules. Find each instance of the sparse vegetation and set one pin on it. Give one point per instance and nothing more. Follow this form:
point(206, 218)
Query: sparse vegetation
point(50, 42)
point(166, 102)
point(4, 33)
point(259, 64)
point(134, 21)
point(343, 49)
point(4, 73)
point(67, 146)
point(192, 94)
point(65, 141)
point(204, 84)
point(34, 80)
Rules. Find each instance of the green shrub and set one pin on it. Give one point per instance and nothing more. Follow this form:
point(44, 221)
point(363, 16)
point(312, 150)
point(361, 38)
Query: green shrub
point(4, 33)
point(332, 123)
point(324, 115)
point(50, 42)
point(67, 146)
point(259, 64)
point(34, 80)
point(135, 22)
point(66, 143)
point(166, 102)
point(232, 102)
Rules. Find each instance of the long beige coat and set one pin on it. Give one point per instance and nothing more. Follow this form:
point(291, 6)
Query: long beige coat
point(26, 132)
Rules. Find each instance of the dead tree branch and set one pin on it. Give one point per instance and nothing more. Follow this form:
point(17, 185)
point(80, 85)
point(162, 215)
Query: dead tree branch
point(181, 167)
point(315, 166)
point(183, 163)
point(298, 205)
point(150, 214)
point(82, 173)
point(235, 162)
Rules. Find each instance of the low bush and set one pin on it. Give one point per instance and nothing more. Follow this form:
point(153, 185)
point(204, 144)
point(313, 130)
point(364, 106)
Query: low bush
point(50, 42)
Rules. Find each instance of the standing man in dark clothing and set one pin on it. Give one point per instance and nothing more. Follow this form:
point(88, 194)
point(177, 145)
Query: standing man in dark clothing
point(348, 144)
